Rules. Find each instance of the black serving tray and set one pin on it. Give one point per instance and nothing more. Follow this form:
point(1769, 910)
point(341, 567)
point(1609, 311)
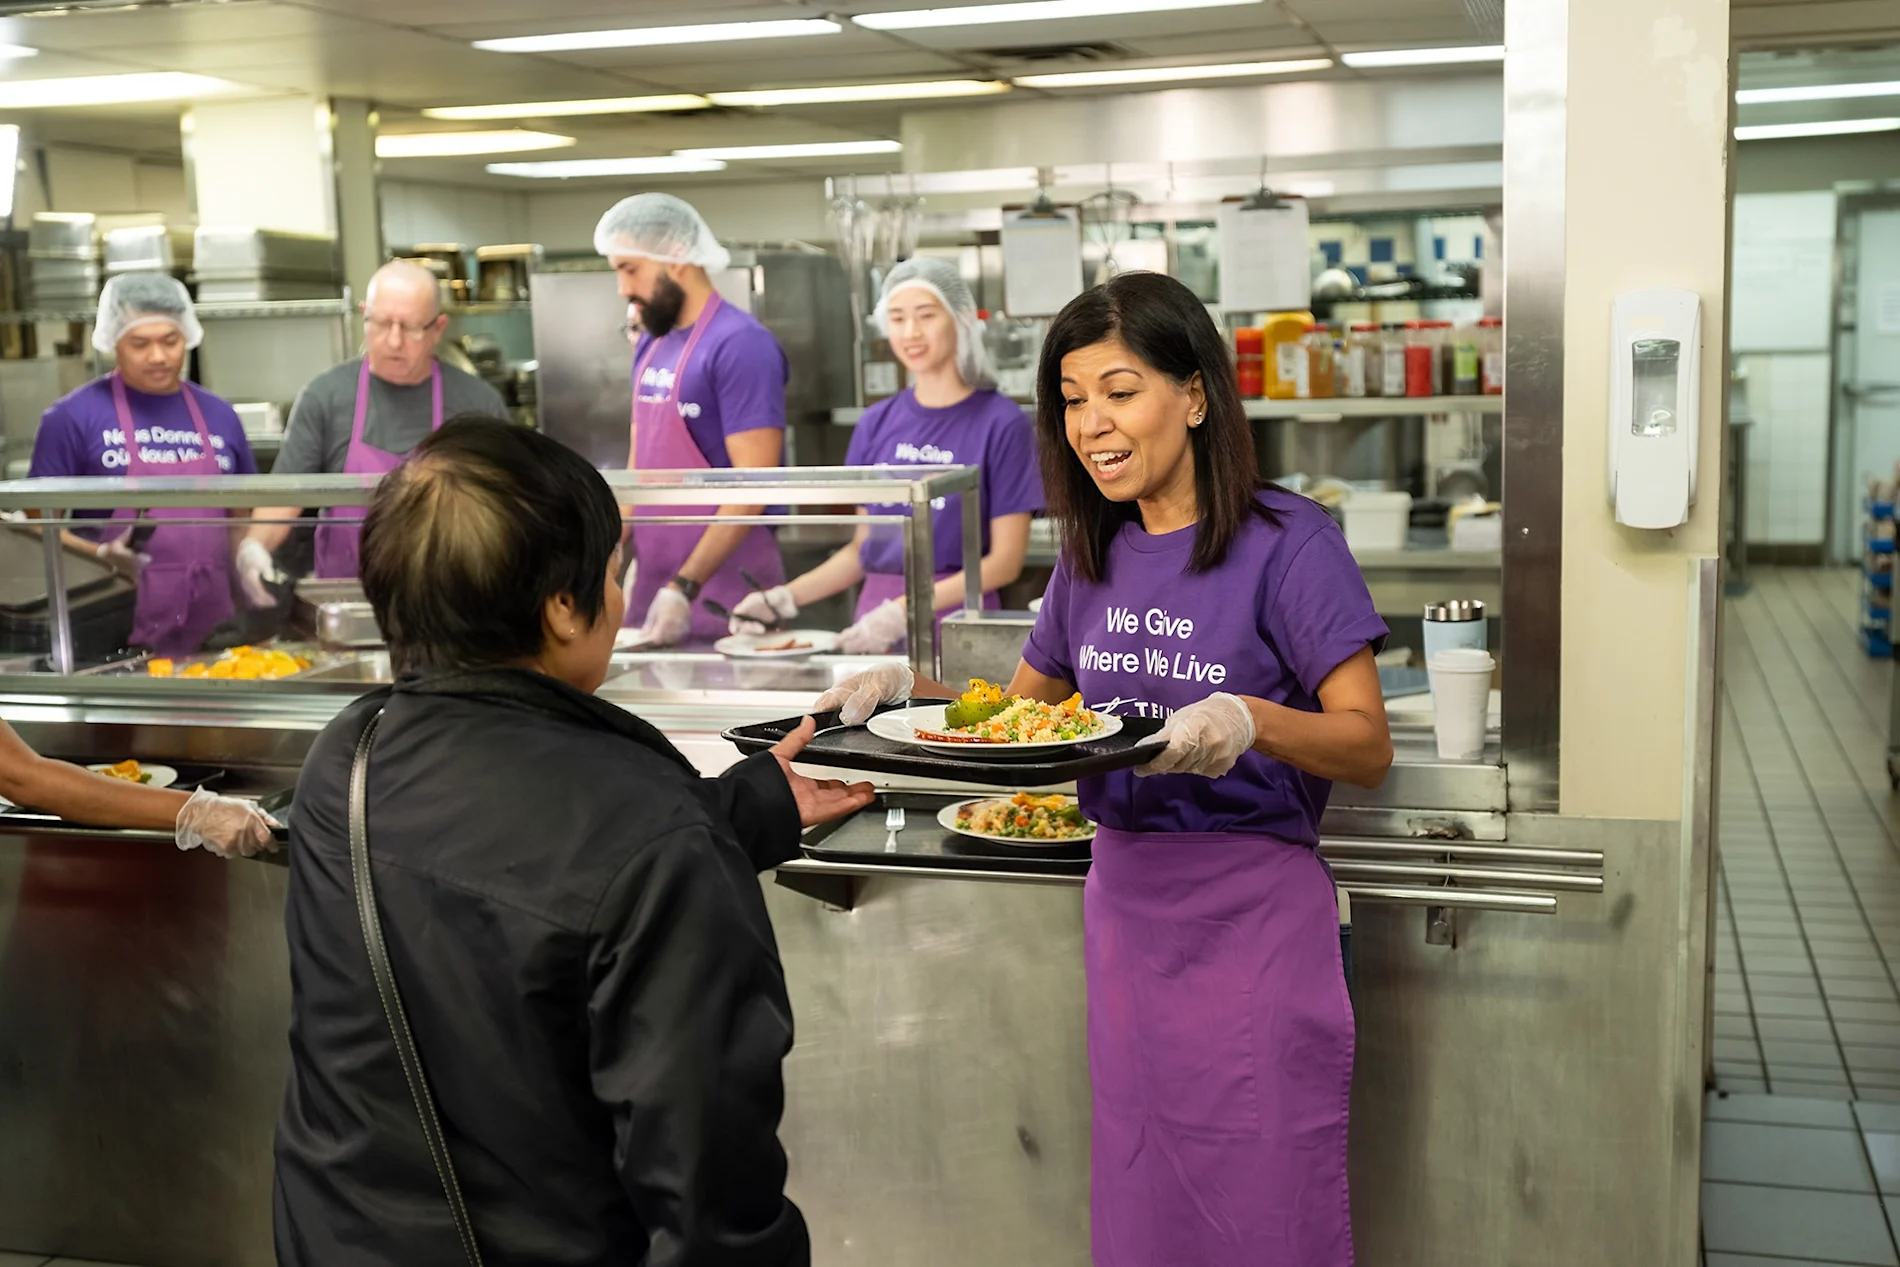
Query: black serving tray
point(855, 748)
point(862, 837)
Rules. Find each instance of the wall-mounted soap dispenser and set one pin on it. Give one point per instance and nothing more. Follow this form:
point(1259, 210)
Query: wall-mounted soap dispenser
point(1655, 406)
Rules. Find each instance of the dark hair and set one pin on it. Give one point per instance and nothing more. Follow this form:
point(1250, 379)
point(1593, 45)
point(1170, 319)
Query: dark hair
point(466, 542)
point(1162, 322)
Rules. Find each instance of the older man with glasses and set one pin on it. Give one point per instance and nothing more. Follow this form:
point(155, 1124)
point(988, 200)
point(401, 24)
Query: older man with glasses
point(365, 415)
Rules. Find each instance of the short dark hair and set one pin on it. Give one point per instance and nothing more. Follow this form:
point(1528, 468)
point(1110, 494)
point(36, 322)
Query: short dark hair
point(1162, 322)
point(466, 542)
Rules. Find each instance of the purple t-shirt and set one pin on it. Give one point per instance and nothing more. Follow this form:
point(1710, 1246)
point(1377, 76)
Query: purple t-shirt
point(79, 435)
point(735, 381)
point(985, 429)
point(1284, 609)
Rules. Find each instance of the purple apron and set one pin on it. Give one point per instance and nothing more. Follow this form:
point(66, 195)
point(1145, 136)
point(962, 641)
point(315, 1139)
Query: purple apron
point(661, 442)
point(337, 544)
point(185, 590)
point(1220, 1052)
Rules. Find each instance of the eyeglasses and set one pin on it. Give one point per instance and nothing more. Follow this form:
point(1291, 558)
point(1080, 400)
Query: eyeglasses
point(380, 326)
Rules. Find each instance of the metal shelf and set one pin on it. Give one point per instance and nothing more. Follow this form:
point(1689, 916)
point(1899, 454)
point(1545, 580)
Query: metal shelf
point(208, 312)
point(1334, 409)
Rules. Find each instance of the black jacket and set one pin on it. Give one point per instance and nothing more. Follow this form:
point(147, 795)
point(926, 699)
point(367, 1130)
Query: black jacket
point(574, 918)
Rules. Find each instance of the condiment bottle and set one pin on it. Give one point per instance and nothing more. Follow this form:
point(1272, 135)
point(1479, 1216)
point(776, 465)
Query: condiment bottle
point(1361, 374)
point(1250, 361)
point(1392, 358)
point(1283, 347)
point(1319, 363)
point(1491, 353)
point(1464, 361)
point(1421, 359)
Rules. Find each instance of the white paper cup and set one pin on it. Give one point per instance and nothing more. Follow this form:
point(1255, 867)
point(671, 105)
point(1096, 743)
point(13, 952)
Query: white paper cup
point(1461, 701)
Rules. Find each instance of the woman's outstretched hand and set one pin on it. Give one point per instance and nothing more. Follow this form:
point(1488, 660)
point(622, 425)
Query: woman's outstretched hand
point(819, 800)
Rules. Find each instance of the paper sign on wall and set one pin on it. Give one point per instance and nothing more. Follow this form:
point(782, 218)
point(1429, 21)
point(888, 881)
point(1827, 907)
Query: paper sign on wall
point(1887, 308)
point(1042, 263)
point(1264, 257)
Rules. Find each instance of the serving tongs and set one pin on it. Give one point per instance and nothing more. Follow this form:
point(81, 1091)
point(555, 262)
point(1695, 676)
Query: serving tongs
point(720, 609)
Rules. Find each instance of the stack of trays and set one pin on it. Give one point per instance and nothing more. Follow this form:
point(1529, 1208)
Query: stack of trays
point(63, 260)
point(251, 265)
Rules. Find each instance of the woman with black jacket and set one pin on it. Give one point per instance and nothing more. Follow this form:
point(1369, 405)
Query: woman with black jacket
point(571, 913)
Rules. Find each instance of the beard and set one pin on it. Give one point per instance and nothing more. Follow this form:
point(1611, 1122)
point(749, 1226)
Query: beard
point(660, 312)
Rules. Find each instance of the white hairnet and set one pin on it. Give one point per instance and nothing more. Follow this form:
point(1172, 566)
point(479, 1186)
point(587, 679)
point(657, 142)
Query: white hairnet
point(659, 227)
point(941, 278)
point(132, 299)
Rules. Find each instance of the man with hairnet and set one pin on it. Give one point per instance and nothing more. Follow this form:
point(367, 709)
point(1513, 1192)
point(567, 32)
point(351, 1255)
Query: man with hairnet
point(950, 415)
point(364, 416)
point(144, 419)
point(708, 391)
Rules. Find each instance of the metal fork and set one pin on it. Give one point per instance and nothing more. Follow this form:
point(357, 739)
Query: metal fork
point(893, 823)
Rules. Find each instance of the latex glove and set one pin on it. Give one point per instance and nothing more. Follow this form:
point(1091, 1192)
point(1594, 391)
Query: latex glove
point(760, 608)
point(669, 617)
point(858, 696)
point(224, 825)
point(1206, 738)
point(254, 566)
point(122, 558)
point(882, 628)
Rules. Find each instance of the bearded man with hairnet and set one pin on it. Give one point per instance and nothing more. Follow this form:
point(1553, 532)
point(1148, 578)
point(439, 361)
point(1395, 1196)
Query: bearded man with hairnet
point(950, 415)
point(708, 392)
point(144, 419)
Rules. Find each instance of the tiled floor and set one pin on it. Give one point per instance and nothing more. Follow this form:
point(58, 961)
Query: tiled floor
point(1809, 939)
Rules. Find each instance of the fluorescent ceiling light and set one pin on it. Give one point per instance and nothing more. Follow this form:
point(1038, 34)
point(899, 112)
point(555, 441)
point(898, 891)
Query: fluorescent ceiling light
point(1836, 127)
point(453, 144)
point(1167, 74)
point(814, 149)
point(108, 90)
point(651, 36)
point(1422, 56)
point(568, 168)
point(830, 93)
point(1031, 11)
point(1817, 92)
point(561, 109)
point(10, 51)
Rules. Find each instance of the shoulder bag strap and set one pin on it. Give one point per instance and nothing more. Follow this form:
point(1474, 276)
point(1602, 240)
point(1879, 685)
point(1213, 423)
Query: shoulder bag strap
point(392, 998)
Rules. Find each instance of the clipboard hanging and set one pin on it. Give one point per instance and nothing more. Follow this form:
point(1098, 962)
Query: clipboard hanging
point(1265, 257)
point(1042, 256)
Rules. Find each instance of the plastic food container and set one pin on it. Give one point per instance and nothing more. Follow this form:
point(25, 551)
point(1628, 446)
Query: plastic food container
point(1421, 359)
point(1392, 359)
point(1491, 356)
point(1378, 521)
point(1362, 374)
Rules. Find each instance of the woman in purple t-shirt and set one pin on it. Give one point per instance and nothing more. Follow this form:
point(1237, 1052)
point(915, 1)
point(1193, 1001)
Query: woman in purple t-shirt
point(1220, 1033)
point(951, 415)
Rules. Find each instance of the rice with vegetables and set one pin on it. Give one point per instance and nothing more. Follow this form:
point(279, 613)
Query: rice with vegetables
point(1026, 817)
point(1031, 721)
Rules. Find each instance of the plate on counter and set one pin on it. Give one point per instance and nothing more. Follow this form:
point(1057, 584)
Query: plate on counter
point(956, 818)
point(789, 644)
point(156, 775)
point(902, 726)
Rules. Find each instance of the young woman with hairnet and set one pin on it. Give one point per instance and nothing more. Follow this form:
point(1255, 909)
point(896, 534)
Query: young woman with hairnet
point(708, 391)
point(951, 415)
point(144, 419)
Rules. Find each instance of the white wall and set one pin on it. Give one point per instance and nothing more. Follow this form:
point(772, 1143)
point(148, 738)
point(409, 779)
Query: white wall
point(414, 212)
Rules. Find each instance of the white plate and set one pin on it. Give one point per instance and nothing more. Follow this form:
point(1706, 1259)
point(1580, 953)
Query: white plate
point(162, 775)
point(901, 726)
point(1035, 605)
point(947, 819)
point(747, 646)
